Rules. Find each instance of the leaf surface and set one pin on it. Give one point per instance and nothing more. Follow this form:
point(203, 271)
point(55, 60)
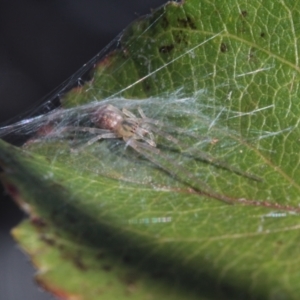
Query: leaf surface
point(223, 79)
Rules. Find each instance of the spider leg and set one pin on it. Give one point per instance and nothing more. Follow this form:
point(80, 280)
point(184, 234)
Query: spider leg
point(141, 130)
point(222, 164)
point(144, 118)
point(150, 142)
point(90, 130)
point(133, 142)
point(141, 134)
point(165, 135)
point(129, 114)
point(141, 113)
point(176, 170)
point(206, 157)
point(109, 135)
point(148, 120)
point(145, 126)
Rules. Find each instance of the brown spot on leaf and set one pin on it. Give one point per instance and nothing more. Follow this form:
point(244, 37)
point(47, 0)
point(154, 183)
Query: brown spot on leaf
point(147, 86)
point(165, 22)
point(262, 35)
point(79, 264)
point(242, 25)
point(187, 23)
point(223, 48)
point(107, 268)
point(49, 241)
point(166, 48)
point(244, 13)
point(38, 221)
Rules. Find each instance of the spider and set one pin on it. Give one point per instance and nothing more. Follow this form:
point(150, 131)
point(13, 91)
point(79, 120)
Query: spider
point(124, 124)
point(112, 123)
point(138, 133)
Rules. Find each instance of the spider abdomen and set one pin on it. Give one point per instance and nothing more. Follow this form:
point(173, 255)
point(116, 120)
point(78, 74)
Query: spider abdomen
point(108, 117)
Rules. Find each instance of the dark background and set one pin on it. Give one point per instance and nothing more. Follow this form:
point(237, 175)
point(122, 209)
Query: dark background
point(41, 44)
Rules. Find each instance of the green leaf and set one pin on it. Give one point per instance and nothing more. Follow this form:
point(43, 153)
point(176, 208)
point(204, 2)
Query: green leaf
point(223, 80)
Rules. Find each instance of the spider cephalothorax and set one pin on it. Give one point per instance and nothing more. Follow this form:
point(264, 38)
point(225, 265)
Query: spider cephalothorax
point(124, 124)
